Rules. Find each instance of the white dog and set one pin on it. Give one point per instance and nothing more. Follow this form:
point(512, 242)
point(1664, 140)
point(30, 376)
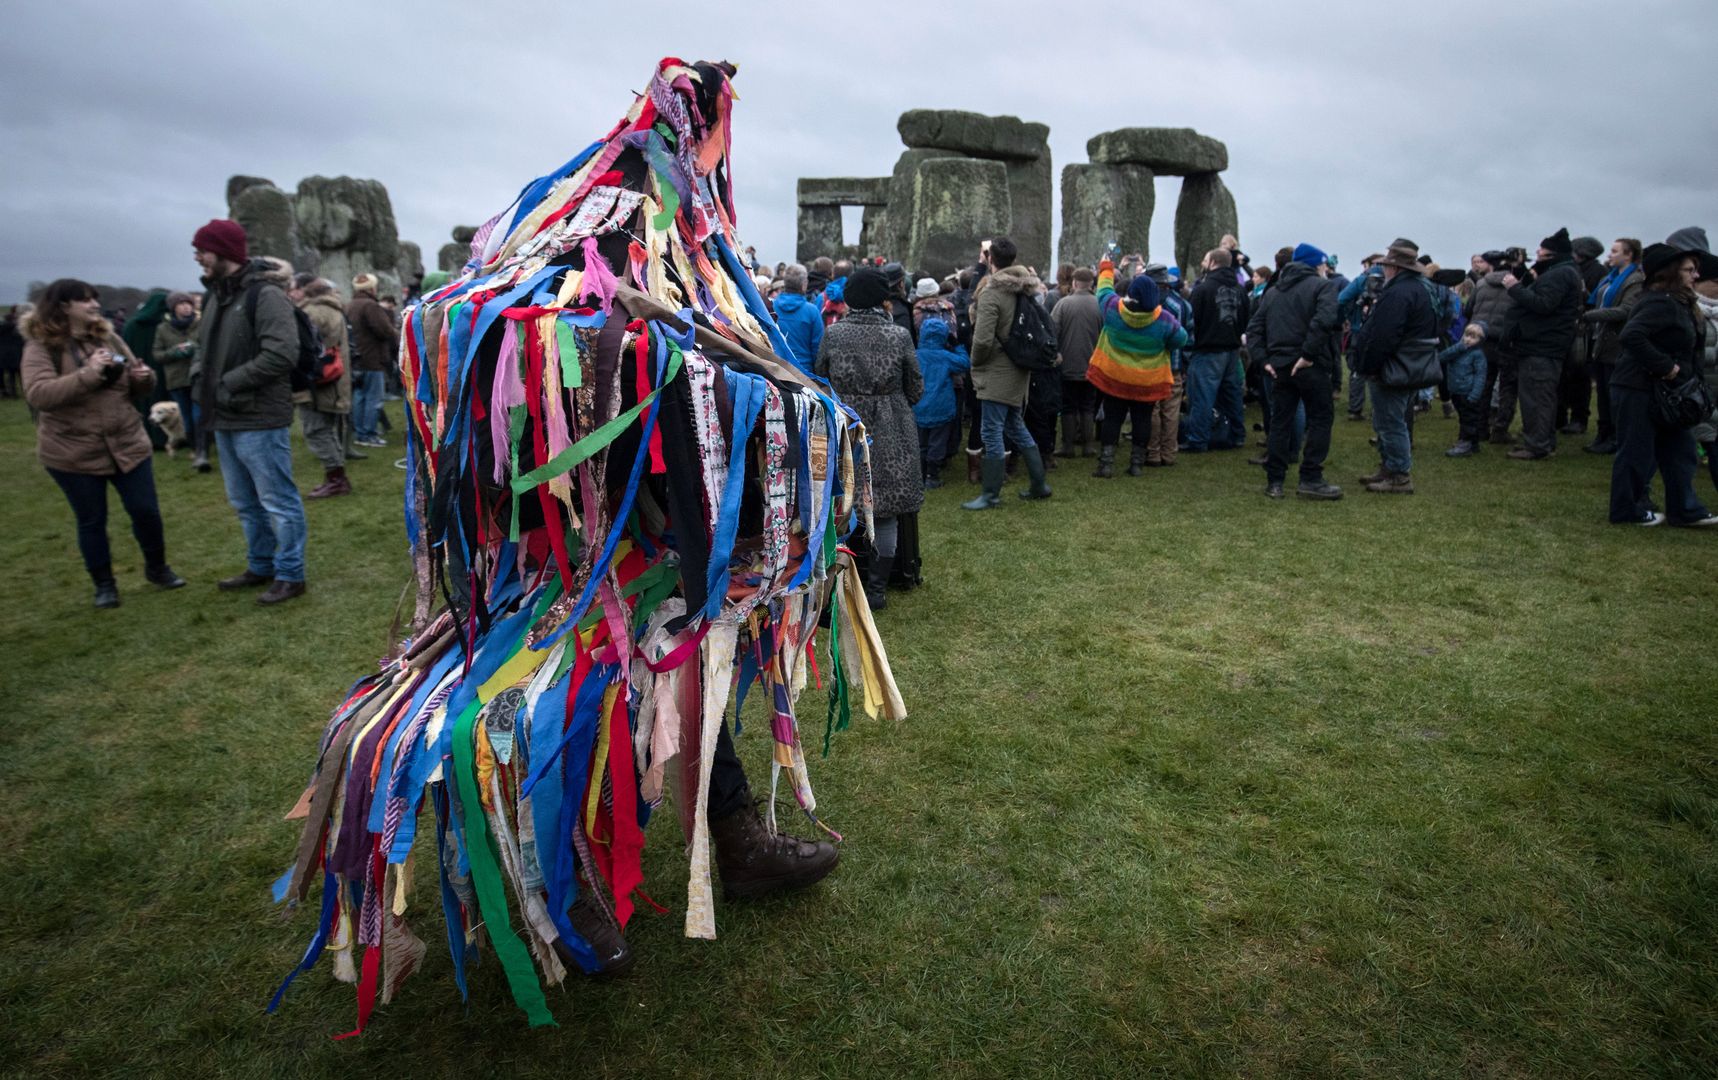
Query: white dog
point(165, 415)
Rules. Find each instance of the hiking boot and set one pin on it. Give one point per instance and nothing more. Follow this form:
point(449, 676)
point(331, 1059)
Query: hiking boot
point(1380, 475)
point(1106, 463)
point(1318, 489)
point(1039, 487)
point(1463, 448)
point(162, 577)
point(755, 862)
point(1274, 489)
point(991, 496)
point(281, 591)
point(1136, 461)
point(1521, 453)
point(1601, 446)
point(246, 580)
point(106, 593)
point(614, 956)
point(334, 484)
point(1393, 484)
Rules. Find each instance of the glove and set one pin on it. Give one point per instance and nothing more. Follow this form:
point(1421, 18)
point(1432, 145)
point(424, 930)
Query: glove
point(1524, 274)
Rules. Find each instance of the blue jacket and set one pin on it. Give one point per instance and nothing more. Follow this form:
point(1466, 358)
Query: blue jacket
point(801, 323)
point(1348, 300)
point(1183, 312)
point(1464, 371)
point(938, 364)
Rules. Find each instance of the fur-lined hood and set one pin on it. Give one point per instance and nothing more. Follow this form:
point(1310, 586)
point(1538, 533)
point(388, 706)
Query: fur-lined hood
point(99, 332)
point(1012, 279)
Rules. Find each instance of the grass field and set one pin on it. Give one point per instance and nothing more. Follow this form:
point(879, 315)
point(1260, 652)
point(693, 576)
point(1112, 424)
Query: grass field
point(1195, 784)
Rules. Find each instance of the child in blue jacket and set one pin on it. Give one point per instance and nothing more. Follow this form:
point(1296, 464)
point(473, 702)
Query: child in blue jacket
point(1464, 374)
point(935, 412)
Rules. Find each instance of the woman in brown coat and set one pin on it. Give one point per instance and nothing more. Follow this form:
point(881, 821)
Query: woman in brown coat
point(80, 378)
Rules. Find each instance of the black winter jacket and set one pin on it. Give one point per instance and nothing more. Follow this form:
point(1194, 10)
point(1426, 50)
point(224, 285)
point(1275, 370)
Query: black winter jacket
point(1220, 312)
point(1403, 313)
point(1659, 336)
point(1296, 317)
point(1542, 323)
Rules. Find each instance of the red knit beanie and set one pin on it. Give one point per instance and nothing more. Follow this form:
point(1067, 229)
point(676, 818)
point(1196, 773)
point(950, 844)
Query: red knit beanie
point(223, 238)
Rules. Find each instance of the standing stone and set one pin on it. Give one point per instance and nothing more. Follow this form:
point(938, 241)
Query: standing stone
point(902, 184)
point(271, 228)
point(972, 134)
point(1104, 203)
point(819, 232)
point(1030, 186)
point(1205, 212)
point(453, 257)
point(873, 227)
point(236, 184)
point(350, 223)
point(411, 263)
point(1166, 151)
point(956, 201)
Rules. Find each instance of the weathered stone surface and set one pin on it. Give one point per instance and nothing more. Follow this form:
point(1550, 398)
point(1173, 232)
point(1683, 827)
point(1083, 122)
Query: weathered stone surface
point(1166, 151)
point(819, 232)
point(1030, 187)
point(843, 191)
point(1105, 203)
point(464, 234)
point(1205, 212)
point(873, 227)
point(957, 201)
point(236, 184)
point(411, 264)
point(271, 228)
point(452, 257)
point(350, 223)
point(898, 224)
point(972, 133)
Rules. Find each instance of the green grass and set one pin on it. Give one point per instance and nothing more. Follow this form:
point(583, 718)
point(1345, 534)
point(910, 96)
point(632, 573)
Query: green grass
point(1195, 784)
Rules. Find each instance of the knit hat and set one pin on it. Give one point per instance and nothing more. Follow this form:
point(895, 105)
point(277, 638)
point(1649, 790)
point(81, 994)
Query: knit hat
point(1308, 255)
point(1143, 293)
point(867, 287)
point(1588, 247)
point(174, 299)
point(927, 287)
point(366, 283)
point(222, 238)
point(1558, 243)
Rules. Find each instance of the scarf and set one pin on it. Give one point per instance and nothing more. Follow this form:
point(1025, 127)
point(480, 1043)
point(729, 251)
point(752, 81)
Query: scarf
point(1604, 294)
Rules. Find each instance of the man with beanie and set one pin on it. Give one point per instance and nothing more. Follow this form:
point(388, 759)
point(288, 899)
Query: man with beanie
point(998, 382)
point(1214, 377)
point(377, 344)
point(1402, 314)
point(1541, 332)
point(249, 344)
point(1296, 328)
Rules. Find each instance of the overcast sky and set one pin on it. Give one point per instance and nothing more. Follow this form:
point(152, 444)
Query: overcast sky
point(1462, 126)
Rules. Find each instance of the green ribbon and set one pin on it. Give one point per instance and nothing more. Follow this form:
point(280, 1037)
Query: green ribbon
point(574, 455)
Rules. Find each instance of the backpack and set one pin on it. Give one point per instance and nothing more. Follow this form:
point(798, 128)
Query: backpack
point(1031, 340)
point(1446, 310)
point(313, 366)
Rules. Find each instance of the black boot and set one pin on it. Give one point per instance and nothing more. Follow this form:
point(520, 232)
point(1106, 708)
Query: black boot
point(1040, 488)
point(876, 581)
point(933, 475)
point(162, 576)
point(1136, 461)
point(596, 926)
point(1106, 463)
point(755, 862)
point(106, 589)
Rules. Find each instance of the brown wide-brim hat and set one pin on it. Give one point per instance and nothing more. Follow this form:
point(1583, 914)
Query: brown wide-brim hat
point(1402, 259)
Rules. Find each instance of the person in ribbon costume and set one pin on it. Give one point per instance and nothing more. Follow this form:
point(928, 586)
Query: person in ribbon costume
point(626, 501)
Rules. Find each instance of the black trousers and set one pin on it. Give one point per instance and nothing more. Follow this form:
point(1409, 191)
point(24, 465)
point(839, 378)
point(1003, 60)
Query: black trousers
point(88, 496)
point(1508, 382)
point(1470, 417)
point(1310, 387)
point(1601, 376)
point(1118, 409)
point(1575, 392)
point(1043, 405)
point(729, 791)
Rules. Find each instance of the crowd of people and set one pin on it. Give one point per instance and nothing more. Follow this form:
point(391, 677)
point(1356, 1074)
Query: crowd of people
point(1628, 334)
point(223, 373)
point(1620, 339)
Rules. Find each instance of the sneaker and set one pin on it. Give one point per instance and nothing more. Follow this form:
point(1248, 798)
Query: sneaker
point(1462, 449)
point(1521, 453)
point(373, 440)
point(1653, 517)
point(1321, 490)
point(1698, 523)
point(1274, 490)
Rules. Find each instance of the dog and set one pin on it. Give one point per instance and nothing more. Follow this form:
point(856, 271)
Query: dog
point(165, 415)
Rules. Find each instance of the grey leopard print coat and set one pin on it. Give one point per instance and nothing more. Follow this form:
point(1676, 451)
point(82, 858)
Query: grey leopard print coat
point(871, 363)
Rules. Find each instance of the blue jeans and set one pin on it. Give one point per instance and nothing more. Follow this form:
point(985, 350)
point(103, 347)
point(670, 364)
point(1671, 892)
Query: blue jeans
point(257, 469)
point(1390, 411)
point(1002, 423)
point(1214, 382)
point(367, 389)
point(188, 413)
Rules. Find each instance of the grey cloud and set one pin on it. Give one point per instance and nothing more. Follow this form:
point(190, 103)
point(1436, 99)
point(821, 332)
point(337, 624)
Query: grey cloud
point(1348, 123)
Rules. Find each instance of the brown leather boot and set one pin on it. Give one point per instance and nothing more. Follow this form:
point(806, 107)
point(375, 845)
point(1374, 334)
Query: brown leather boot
point(614, 955)
point(755, 862)
point(973, 458)
point(335, 483)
